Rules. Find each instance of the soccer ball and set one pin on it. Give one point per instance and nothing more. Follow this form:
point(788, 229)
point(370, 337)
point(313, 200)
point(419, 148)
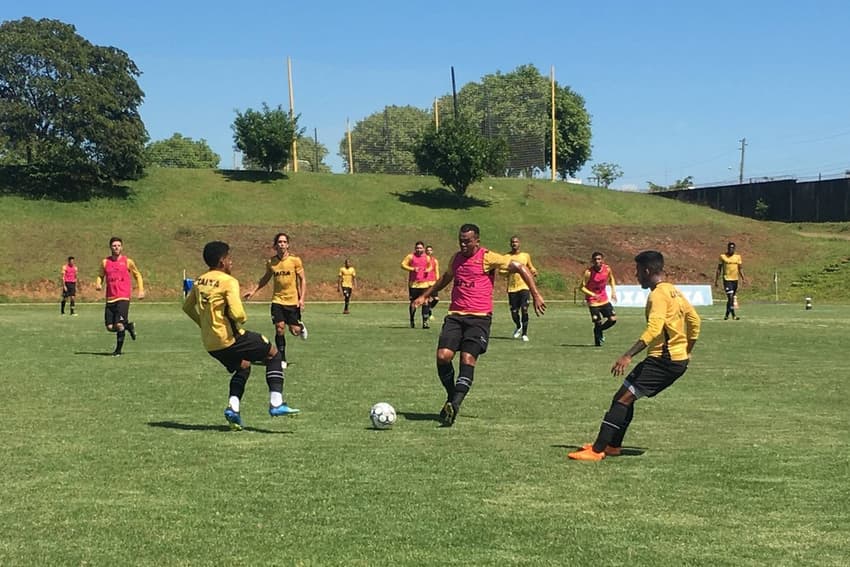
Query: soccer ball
point(382, 415)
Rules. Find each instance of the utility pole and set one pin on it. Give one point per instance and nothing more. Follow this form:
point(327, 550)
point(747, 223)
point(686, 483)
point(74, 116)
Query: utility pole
point(741, 169)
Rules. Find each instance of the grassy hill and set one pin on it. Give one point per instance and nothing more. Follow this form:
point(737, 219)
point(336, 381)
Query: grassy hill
point(375, 219)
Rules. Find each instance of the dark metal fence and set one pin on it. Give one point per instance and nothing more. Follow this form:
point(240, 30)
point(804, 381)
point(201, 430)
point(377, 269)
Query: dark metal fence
point(786, 200)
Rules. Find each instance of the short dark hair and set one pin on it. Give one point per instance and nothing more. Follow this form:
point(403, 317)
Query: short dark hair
point(595, 254)
point(730, 244)
point(115, 239)
point(214, 252)
point(469, 227)
point(70, 258)
point(278, 235)
point(417, 243)
point(652, 260)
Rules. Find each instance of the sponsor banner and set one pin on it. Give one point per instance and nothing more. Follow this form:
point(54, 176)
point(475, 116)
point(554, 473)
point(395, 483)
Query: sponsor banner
point(634, 296)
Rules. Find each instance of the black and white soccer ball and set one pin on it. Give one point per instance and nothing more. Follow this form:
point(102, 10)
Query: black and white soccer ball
point(383, 415)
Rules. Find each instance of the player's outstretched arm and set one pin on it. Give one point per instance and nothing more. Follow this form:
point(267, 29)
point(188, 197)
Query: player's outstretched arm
point(263, 281)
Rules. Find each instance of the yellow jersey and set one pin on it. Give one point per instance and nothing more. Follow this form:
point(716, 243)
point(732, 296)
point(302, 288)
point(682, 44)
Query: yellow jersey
point(515, 281)
point(284, 274)
point(731, 266)
point(215, 306)
point(670, 322)
point(346, 276)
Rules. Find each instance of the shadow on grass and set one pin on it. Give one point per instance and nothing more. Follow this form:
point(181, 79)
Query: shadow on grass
point(415, 416)
point(252, 176)
point(627, 451)
point(95, 353)
point(199, 427)
point(67, 187)
point(439, 198)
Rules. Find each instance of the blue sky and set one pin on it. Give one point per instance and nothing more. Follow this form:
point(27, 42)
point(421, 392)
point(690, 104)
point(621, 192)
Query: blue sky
point(671, 86)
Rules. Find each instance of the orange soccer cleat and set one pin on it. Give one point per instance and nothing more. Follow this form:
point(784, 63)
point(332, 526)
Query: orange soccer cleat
point(610, 450)
point(586, 455)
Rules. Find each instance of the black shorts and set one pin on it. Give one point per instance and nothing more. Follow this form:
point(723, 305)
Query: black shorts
point(730, 287)
point(414, 292)
point(519, 299)
point(654, 375)
point(70, 289)
point(465, 333)
point(289, 314)
point(116, 312)
point(346, 292)
point(249, 346)
point(597, 312)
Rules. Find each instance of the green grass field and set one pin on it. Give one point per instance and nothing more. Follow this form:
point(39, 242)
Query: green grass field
point(128, 461)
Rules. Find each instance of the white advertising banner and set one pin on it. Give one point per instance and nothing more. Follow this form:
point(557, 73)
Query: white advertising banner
point(634, 296)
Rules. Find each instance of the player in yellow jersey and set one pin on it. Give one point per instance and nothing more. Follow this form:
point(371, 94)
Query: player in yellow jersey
point(345, 282)
point(214, 305)
point(518, 294)
point(672, 329)
point(289, 290)
point(731, 266)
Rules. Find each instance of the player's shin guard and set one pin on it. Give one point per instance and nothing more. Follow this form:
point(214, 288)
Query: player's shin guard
point(515, 317)
point(274, 373)
point(613, 422)
point(446, 372)
point(524, 321)
point(238, 381)
point(466, 374)
point(426, 311)
point(280, 343)
point(608, 324)
point(62, 308)
point(617, 440)
point(119, 340)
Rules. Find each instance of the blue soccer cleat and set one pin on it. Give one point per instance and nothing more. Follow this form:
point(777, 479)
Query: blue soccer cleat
point(233, 419)
point(282, 409)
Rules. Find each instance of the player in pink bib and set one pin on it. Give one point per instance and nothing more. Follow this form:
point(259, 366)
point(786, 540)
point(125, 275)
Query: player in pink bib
point(69, 285)
point(467, 325)
point(593, 286)
point(115, 273)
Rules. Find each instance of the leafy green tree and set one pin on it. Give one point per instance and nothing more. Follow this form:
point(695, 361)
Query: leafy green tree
point(384, 142)
point(516, 106)
point(457, 154)
point(606, 173)
point(313, 155)
point(68, 108)
point(180, 151)
point(265, 137)
point(684, 183)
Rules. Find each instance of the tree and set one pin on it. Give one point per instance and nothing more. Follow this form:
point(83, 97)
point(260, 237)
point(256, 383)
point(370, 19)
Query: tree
point(516, 106)
point(265, 138)
point(457, 154)
point(309, 152)
point(68, 108)
point(684, 183)
point(384, 142)
point(606, 173)
point(179, 151)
